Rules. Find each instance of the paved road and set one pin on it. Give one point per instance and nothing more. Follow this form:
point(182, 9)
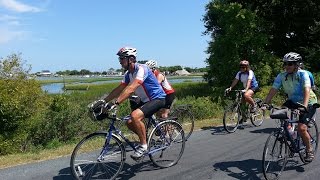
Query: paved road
point(209, 154)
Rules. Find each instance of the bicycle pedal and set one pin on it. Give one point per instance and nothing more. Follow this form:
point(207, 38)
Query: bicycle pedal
point(291, 155)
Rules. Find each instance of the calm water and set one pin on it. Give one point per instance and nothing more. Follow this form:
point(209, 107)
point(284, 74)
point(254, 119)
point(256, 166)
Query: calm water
point(56, 88)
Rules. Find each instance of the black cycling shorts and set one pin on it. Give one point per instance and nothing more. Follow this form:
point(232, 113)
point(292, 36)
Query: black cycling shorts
point(256, 89)
point(151, 107)
point(169, 100)
point(306, 117)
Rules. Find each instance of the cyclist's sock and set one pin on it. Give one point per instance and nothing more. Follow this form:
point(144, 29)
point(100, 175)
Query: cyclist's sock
point(144, 146)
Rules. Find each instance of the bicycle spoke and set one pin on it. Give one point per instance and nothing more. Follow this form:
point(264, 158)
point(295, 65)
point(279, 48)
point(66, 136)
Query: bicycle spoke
point(274, 156)
point(166, 150)
point(88, 162)
point(231, 118)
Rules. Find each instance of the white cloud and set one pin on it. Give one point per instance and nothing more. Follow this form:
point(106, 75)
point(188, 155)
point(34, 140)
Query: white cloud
point(9, 20)
point(16, 6)
point(7, 35)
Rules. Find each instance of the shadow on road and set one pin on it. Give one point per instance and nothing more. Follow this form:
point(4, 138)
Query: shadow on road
point(128, 171)
point(247, 169)
point(264, 131)
point(219, 130)
point(64, 174)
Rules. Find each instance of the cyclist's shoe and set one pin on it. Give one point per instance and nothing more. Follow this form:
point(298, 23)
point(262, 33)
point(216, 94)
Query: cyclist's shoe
point(309, 156)
point(138, 154)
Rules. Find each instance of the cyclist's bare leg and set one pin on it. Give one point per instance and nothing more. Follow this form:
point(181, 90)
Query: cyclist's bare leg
point(302, 128)
point(248, 97)
point(136, 125)
point(164, 112)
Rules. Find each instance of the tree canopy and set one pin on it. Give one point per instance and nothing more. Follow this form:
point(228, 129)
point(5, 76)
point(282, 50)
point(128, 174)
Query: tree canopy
point(261, 32)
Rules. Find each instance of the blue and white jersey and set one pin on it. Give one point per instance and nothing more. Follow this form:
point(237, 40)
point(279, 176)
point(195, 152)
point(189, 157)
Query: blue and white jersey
point(311, 77)
point(149, 89)
point(294, 84)
point(245, 76)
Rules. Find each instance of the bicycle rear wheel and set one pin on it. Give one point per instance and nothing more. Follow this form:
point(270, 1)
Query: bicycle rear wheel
point(186, 120)
point(231, 118)
point(275, 155)
point(92, 160)
point(314, 139)
point(166, 148)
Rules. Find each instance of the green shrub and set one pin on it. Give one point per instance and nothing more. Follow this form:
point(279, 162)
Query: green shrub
point(21, 99)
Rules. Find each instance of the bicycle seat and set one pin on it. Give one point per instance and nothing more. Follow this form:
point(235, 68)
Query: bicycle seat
point(280, 114)
point(316, 105)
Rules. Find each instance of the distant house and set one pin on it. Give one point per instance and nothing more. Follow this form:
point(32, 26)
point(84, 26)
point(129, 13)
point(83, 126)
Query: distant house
point(113, 73)
point(182, 72)
point(44, 73)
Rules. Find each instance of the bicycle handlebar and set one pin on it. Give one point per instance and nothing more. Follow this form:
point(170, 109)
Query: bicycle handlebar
point(226, 93)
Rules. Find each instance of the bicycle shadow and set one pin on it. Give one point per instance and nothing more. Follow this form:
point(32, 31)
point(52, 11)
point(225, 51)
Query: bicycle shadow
point(128, 170)
point(249, 169)
point(219, 130)
point(64, 174)
point(215, 130)
point(294, 164)
point(263, 131)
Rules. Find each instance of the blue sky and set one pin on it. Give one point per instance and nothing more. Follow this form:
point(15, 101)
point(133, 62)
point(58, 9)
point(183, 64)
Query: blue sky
point(59, 35)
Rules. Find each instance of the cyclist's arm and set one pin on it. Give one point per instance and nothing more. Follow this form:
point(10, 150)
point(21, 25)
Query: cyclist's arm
point(234, 82)
point(248, 84)
point(129, 90)
point(115, 92)
point(306, 96)
point(272, 92)
point(160, 78)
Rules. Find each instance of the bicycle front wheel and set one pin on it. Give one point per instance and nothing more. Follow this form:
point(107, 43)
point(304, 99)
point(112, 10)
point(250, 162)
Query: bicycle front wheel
point(314, 139)
point(231, 118)
point(258, 117)
point(275, 156)
point(186, 120)
point(94, 158)
point(166, 143)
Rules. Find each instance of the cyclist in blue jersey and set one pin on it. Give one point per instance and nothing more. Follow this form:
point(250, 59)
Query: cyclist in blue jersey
point(139, 80)
point(250, 83)
point(296, 84)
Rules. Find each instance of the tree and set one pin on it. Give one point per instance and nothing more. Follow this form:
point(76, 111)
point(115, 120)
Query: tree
point(84, 72)
point(237, 33)
point(290, 26)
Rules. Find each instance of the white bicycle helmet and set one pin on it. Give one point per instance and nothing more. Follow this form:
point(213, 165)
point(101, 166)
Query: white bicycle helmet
point(292, 57)
point(151, 64)
point(244, 63)
point(127, 51)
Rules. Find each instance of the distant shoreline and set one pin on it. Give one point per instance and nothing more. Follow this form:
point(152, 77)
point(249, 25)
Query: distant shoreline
point(74, 79)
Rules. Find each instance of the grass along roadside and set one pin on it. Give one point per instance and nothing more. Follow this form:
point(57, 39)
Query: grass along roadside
point(66, 150)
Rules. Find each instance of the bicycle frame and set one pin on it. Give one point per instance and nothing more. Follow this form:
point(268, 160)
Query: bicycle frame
point(294, 145)
point(113, 130)
point(239, 102)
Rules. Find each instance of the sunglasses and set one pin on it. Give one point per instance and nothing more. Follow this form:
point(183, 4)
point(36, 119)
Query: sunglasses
point(288, 63)
point(122, 58)
point(243, 67)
